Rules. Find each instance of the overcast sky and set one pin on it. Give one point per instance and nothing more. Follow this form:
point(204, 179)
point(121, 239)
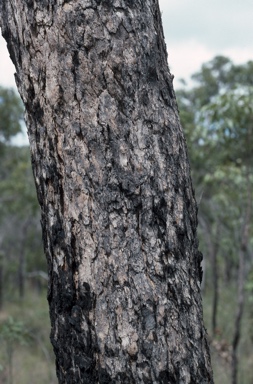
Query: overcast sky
point(198, 30)
point(195, 31)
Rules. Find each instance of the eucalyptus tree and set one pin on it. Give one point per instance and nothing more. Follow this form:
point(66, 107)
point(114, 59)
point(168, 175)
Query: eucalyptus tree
point(217, 116)
point(21, 245)
point(113, 181)
point(11, 113)
point(230, 117)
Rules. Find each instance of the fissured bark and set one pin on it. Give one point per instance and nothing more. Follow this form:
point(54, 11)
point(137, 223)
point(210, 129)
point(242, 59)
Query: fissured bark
point(118, 213)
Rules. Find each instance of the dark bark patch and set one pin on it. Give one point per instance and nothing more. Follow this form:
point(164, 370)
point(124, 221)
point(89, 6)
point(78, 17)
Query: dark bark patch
point(104, 377)
point(123, 377)
point(30, 93)
point(76, 318)
point(65, 293)
point(57, 232)
point(75, 58)
point(110, 352)
point(152, 75)
point(147, 380)
point(167, 378)
point(127, 185)
point(173, 293)
point(160, 210)
point(145, 370)
point(86, 299)
point(199, 258)
point(38, 112)
point(147, 348)
point(169, 271)
point(148, 319)
point(145, 98)
point(84, 362)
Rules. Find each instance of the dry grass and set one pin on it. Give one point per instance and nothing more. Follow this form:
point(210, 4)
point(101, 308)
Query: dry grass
point(221, 342)
point(32, 362)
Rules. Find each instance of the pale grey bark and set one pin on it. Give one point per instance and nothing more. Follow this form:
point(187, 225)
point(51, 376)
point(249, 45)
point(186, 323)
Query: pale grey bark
point(118, 213)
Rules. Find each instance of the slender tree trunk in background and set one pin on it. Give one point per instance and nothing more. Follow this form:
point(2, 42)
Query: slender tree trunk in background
point(229, 268)
point(215, 279)
point(118, 213)
point(22, 261)
point(213, 247)
point(1, 280)
point(241, 280)
point(21, 274)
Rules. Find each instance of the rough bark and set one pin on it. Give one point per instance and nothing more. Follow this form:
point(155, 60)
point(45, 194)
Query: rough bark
point(118, 213)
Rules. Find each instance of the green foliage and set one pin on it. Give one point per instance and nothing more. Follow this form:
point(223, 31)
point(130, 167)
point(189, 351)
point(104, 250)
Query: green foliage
point(217, 117)
point(32, 358)
point(11, 113)
point(13, 332)
point(17, 184)
point(20, 241)
point(228, 118)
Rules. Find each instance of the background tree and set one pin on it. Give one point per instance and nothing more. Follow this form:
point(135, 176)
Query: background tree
point(112, 176)
point(22, 263)
point(230, 116)
point(11, 112)
point(19, 213)
point(220, 104)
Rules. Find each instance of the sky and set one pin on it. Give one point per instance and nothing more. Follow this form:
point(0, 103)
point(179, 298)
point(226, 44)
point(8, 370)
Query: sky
point(195, 32)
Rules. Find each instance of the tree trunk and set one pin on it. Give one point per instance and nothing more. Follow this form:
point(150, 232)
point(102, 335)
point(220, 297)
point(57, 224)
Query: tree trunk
point(21, 275)
point(213, 248)
point(1, 279)
point(245, 233)
point(113, 181)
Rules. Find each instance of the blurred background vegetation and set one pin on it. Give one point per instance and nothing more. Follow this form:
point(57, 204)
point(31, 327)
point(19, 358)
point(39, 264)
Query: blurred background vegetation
point(216, 112)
